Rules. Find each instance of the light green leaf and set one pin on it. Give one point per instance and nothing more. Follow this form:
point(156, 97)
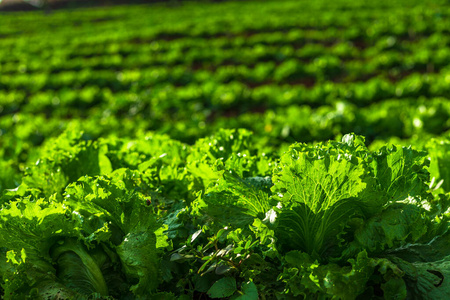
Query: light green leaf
point(234, 201)
point(401, 172)
point(439, 152)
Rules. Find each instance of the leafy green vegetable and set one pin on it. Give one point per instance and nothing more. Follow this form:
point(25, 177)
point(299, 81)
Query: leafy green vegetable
point(100, 239)
point(320, 190)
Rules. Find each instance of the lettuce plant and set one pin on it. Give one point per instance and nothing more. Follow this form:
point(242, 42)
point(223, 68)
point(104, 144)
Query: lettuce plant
point(99, 240)
point(339, 215)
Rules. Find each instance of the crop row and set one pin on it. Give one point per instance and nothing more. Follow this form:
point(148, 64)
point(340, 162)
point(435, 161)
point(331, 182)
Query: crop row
point(343, 55)
point(291, 71)
point(273, 27)
point(404, 118)
point(296, 38)
point(216, 97)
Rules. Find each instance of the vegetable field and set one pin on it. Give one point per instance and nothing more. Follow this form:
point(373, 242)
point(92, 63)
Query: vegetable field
point(236, 150)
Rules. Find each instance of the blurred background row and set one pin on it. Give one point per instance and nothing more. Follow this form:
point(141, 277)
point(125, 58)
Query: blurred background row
point(287, 70)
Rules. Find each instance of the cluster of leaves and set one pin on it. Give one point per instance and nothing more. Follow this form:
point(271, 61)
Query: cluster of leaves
point(153, 218)
point(306, 71)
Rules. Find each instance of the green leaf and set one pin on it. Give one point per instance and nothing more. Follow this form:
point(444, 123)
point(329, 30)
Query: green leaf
point(250, 292)
point(224, 287)
point(63, 160)
point(229, 146)
point(162, 240)
point(308, 278)
point(204, 282)
point(401, 172)
point(394, 288)
point(398, 225)
point(234, 201)
point(426, 280)
point(426, 267)
point(439, 151)
point(78, 269)
point(138, 255)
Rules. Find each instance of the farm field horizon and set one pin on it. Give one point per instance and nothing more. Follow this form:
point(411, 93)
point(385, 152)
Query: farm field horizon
point(231, 150)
